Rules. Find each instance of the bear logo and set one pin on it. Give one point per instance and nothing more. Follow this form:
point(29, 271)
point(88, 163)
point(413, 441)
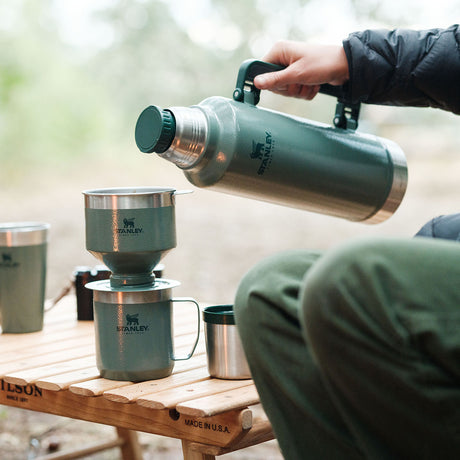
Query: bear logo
point(6, 258)
point(128, 223)
point(132, 319)
point(257, 150)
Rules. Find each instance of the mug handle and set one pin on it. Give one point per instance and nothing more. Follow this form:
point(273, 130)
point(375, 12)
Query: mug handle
point(189, 299)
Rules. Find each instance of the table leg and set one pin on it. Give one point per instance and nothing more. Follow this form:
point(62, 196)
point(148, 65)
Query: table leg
point(126, 441)
point(190, 454)
point(130, 448)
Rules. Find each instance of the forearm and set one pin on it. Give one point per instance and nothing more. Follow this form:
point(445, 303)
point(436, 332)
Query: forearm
point(404, 67)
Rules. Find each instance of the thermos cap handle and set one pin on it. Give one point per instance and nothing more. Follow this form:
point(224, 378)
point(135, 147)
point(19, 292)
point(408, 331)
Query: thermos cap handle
point(155, 130)
point(250, 68)
point(347, 112)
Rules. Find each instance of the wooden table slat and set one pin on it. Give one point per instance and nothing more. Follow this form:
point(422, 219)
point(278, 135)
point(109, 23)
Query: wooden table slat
point(17, 342)
point(220, 403)
point(68, 344)
point(131, 393)
point(63, 381)
point(184, 350)
point(96, 387)
point(28, 376)
point(197, 360)
point(168, 399)
point(44, 360)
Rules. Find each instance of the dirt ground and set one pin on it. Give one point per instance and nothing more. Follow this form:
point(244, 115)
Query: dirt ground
point(219, 238)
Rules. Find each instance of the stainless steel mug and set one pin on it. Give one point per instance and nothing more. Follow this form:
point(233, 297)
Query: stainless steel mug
point(134, 330)
point(23, 247)
point(225, 354)
point(233, 146)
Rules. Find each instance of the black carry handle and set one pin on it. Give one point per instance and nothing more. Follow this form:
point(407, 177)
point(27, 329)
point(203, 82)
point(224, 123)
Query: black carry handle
point(346, 115)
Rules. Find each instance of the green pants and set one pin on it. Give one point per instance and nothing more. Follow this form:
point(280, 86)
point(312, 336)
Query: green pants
point(356, 353)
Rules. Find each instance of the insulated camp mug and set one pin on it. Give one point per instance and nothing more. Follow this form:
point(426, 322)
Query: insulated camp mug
point(134, 331)
point(226, 357)
point(23, 248)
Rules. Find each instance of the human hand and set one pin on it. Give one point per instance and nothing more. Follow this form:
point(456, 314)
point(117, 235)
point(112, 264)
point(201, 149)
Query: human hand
point(307, 67)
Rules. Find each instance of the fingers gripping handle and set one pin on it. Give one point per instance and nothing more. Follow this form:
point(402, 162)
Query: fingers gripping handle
point(346, 115)
point(245, 91)
point(250, 68)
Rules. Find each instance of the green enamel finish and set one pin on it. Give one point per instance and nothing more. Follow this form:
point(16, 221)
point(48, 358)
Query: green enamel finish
point(266, 155)
point(22, 287)
point(134, 342)
point(130, 241)
point(130, 230)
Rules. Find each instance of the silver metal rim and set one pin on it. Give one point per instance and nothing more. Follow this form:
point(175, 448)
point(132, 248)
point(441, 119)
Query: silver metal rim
point(23, 233)
point(398, 187)
point(189, 141)
point(127, 295)
point(129, 197)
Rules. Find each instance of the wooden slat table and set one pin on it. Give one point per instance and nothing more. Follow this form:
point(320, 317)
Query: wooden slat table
point(54, 371)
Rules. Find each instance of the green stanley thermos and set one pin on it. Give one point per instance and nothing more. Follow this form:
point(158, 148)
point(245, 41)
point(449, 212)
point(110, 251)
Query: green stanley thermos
point(236, 147)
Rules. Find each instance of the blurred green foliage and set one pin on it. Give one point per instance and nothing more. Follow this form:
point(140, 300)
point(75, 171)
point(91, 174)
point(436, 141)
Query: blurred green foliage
point(49, 104)
point(60, 99)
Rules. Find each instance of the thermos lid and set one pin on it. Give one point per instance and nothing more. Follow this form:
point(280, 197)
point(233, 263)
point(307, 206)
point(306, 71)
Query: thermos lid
point(23, 233)
point(219, 314)
point(155, 130)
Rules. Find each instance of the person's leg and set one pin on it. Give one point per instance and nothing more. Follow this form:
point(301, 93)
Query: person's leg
point(304, 420)
point(383, 322)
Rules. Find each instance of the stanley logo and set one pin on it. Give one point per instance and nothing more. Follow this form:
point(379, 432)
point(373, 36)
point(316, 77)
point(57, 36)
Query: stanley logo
point(129, 227)
point(132, 325)
point(263, 152)
point(7, 261)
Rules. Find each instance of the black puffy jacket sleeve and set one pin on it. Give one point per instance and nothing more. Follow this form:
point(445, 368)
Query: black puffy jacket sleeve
point(405, 67)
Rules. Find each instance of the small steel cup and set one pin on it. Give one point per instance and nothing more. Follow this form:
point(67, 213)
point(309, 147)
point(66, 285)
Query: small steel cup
point(225, 354)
